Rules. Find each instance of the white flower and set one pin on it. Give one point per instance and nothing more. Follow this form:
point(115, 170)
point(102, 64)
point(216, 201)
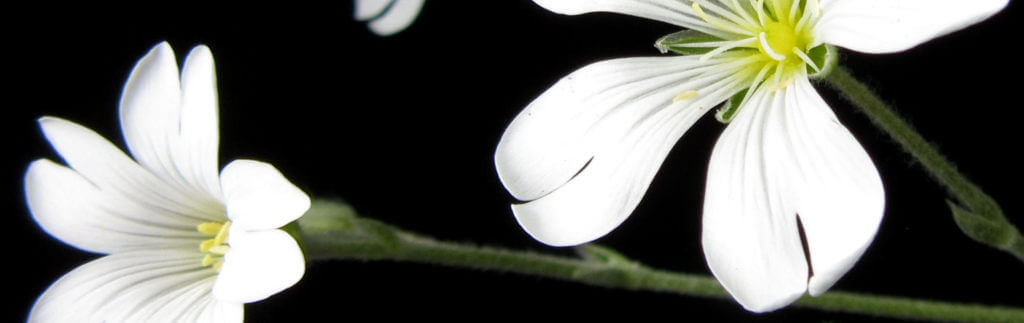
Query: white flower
point(582, 154)
point(184, 244)
point(388, 17)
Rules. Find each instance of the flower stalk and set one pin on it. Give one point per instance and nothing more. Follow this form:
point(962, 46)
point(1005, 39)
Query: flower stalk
point(332, 230)
point(976, 213)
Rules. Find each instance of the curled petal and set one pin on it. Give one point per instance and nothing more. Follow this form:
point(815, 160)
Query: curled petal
point(399, 16)
point(174, 142)
point(674, 12)
point(367, 9)
point(150, 111)
point(258, 197)
point(259, 264)
point(75, 211)
point(583, 153)
point(113, 172)
point(136, 286)
point(196, 158)
point(886, 26)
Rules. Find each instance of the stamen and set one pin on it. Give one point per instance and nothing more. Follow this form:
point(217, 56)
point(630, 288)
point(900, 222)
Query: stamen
point(219, 250)
point(736, 7)
point(807, 16)
point(768, 49)
point(685, 95)
point(757, 81)
point(813, 6)
point(207, 244)
point(718, 22)
point(778, 75)
point(793, 6)
point(209, 228)
point(218, 264)
point(208, 260)
point(759, 9)
point(726, 47)
point(806, 59)
point(214, 248)
point(729, 15)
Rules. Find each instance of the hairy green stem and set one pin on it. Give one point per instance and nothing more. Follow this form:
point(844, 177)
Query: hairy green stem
point(975, 212)
point(332, 230)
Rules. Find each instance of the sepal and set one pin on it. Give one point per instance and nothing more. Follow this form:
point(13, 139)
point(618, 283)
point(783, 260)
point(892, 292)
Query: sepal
point(686, 42)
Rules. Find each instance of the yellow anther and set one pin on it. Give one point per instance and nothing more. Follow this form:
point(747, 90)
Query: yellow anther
point(208, 259)
point(781, 85)
point(219, 250)
point(207, 244)
point(218, 264)
point(209, 228)
point(701, 13)
point(216, 247)
point(685, 95)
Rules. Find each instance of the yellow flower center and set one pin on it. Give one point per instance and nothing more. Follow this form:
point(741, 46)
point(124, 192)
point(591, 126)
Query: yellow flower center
point(214, 248)
point(777, 34)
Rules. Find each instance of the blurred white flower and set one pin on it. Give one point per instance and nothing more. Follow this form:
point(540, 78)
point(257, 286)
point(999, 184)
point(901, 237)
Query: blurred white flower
point(582, 154)
point(184, 243)
point(388, 17)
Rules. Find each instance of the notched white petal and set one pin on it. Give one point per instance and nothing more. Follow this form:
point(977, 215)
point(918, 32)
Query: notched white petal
point(259, 264)
point(73, 210)
point(886, 26)
point(750, 236)
point(258, 197)
point(199, 131)
point(150, 111)
point(133, 286)
point(839, 194)
point(585, 151)
point(110, 170)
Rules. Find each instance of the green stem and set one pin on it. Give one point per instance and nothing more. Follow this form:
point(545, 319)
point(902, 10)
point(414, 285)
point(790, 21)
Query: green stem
point(331, 230)
point(975, 212)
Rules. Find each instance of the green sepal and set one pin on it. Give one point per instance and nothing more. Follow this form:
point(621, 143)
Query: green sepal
point(991, 229)
point(825, 57)
point(728, 110)
point(672, 42)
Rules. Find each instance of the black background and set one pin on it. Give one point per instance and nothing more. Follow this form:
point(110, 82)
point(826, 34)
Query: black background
point(404, 128)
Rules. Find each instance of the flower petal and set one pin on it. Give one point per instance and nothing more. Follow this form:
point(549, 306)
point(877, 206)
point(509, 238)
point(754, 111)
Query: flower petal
point(585, 151)
point(787, 157)
point(367, 9)
point(73, 210)
point(259, 264)
point(674, 12)
point(135, 286)
point(839, 195)
point(112, 172)
point(258, 197)
point(886, 26)
point(399, 16)
point(199, 129)
point(160, 133)
point(150, 111)
point(750, 236)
